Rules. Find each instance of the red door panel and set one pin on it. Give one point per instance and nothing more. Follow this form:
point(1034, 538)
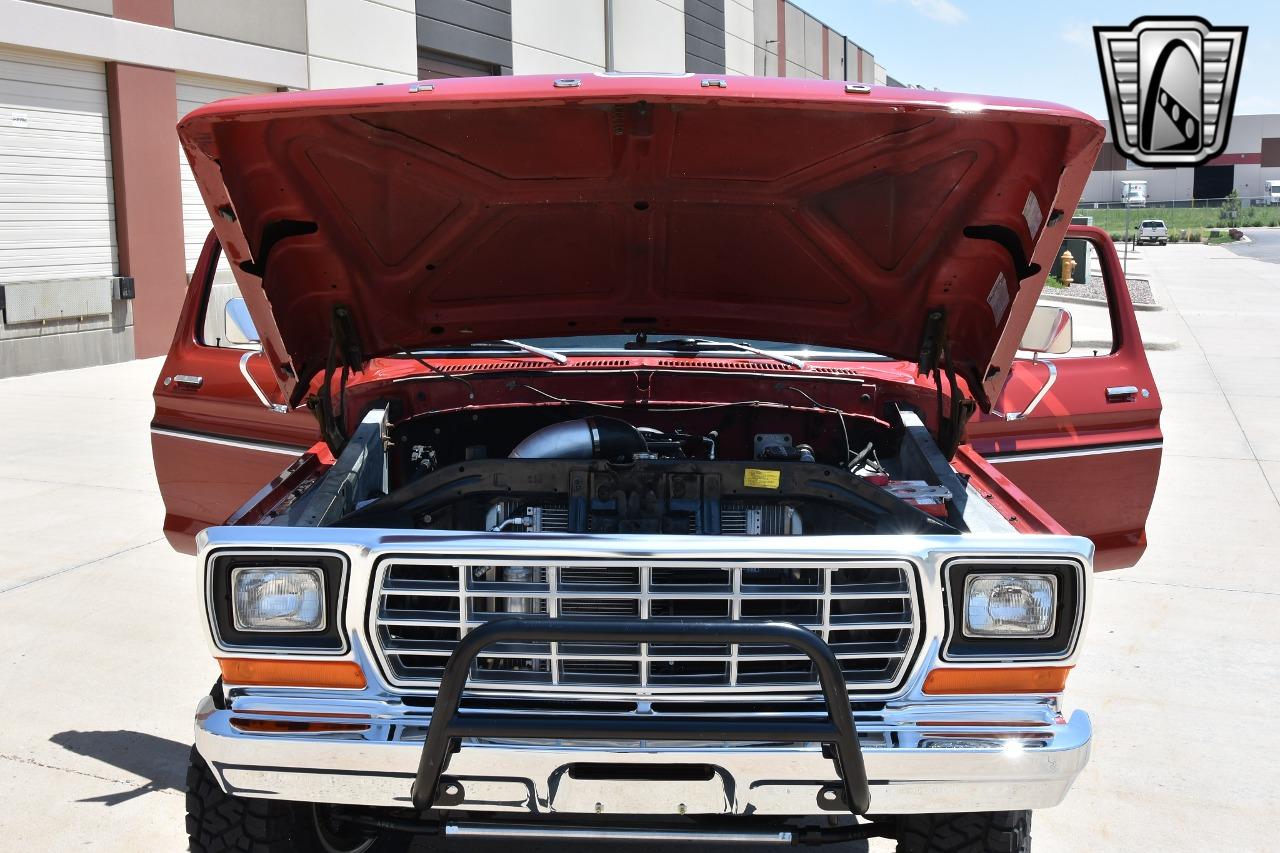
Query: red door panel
point(1090, 459)
point(213, 440)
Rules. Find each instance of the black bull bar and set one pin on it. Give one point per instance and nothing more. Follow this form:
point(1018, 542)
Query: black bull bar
point(447, 725)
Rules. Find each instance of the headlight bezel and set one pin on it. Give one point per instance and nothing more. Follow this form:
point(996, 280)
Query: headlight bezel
point(1068, 616)
point(329, 639)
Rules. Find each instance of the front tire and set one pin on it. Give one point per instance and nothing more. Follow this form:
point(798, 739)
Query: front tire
point(969, 832)
point(220, 823)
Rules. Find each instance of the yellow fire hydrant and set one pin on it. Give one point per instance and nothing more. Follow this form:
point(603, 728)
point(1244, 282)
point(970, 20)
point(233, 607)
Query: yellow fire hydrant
point(1068, 267)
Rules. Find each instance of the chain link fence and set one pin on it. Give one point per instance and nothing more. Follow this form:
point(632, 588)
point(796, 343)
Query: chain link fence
point(1194, 220)
point(1188, 203)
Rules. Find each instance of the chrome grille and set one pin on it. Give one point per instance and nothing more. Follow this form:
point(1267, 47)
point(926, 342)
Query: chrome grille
point(865, 610)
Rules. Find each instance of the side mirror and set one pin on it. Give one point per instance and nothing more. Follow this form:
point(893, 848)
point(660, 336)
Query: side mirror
point(240, 329)
point(1049, 331)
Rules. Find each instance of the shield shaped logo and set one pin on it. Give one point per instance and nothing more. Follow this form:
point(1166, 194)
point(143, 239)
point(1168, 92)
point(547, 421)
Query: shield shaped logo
point(1171, 87)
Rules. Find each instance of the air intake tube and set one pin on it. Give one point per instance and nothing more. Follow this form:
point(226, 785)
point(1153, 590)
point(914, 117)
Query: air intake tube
point(584, 438)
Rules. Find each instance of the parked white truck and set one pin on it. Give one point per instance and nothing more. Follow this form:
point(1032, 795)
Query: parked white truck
point(1153, 231)
point(1133, 193)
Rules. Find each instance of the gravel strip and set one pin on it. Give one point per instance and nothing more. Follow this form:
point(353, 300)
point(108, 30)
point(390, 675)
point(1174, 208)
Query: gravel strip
point(1139, 290)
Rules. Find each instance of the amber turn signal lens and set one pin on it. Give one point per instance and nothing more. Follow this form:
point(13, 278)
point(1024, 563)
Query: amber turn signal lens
point(1030, 679)
point(292, 673)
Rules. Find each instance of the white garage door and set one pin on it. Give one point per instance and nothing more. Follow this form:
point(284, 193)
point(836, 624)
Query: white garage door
point(195, 91)
point(57, 205)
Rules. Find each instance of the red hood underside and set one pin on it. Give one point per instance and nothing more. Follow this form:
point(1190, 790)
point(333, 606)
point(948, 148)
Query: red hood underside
point(506, 207)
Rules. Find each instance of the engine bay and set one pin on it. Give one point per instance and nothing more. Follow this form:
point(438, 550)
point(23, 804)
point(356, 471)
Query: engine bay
point(709, 470)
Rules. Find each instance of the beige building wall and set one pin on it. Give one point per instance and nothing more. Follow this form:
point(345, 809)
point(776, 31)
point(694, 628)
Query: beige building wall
point(648, 35)
point(63, 30)
point(765, 13)
point(360, 42)
point(279, 23)
point(835, 56)
point(813, 37)
point(740, 35)
point(554, 36)
point(793, 20)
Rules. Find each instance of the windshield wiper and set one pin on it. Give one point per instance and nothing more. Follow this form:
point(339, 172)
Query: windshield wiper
point(550, 354)
point(702, 345)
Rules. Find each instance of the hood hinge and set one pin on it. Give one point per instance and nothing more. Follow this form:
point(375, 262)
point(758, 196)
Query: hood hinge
point(935, 358)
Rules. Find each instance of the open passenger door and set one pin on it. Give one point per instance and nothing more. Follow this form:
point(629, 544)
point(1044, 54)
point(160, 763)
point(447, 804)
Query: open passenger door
point(219, 431)
point(1088, 450)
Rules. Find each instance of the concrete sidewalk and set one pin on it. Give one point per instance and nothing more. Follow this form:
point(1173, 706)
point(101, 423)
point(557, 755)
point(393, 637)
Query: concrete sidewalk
point(102, 657)
point(101, 654)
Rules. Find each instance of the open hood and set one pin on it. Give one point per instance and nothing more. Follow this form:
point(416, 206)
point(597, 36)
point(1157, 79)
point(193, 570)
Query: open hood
point(898, 221)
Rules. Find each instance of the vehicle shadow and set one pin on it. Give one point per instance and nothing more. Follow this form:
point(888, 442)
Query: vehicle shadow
point(160, 761)
point(163, 763)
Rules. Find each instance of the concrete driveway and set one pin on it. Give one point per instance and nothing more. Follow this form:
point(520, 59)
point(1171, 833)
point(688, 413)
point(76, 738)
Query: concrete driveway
point(1264, 245)
point(102, 659)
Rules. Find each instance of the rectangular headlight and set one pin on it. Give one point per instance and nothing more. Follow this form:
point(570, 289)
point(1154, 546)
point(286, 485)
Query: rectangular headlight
point(278, 598)
point(1010, 605)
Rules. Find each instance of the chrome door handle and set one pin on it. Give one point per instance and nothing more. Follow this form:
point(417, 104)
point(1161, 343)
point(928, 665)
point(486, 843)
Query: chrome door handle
point(1122, 394)
point(188, 381)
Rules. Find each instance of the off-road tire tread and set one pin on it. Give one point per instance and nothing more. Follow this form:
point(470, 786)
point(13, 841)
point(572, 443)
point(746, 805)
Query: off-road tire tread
point(970, 832)
point(218, 823)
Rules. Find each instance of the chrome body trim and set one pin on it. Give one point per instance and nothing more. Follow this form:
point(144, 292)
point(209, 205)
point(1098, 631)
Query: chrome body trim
point(264, 447)
point(1040, 395)
point(1020, 767)
point(278, 408)
point(1028, 759)
point(823, 597)
point(1030, 455)
point(605, 834)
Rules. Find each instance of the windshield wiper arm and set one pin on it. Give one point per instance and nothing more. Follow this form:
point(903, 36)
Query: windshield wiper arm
point(702, 343)
point(549, 354)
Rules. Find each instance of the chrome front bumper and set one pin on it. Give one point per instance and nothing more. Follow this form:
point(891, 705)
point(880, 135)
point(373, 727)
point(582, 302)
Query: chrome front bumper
point(377, 768)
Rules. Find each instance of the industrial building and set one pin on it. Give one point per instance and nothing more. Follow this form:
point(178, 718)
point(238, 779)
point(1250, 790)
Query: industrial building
point(1252, 158)
point(100, 223)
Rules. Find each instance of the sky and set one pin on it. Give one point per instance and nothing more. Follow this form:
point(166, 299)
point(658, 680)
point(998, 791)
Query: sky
point(1036, 49)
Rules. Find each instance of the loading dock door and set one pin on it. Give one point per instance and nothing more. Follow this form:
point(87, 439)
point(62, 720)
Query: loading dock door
point(1213, 181)
point(57, 203)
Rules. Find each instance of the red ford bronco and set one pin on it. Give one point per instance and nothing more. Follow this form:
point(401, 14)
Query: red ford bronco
point(643, 457)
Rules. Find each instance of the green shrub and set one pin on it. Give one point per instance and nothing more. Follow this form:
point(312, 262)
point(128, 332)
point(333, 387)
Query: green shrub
point(1054, 281)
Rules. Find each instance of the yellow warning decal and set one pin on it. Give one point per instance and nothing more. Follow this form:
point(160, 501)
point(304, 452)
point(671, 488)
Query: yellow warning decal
point(759, 478)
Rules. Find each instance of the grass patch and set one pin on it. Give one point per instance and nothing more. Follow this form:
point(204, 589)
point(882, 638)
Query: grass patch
point(1054, 281)
point(1181, 217)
